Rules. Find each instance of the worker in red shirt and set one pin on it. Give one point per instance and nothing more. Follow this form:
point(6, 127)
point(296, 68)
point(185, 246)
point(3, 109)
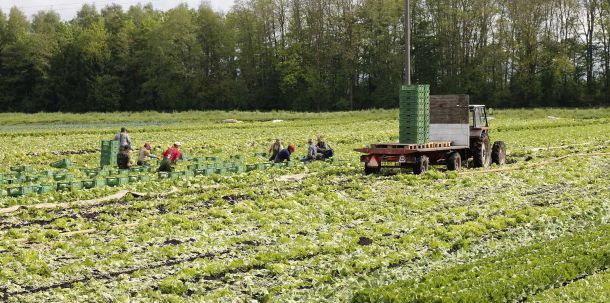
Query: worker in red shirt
point(170, 158)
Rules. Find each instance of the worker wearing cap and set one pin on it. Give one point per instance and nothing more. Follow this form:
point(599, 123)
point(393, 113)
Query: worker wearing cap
point(170, 158)
point(123, 138)
point(123, 159)
point(275, 148)
point(284, 154)
point(144, 155)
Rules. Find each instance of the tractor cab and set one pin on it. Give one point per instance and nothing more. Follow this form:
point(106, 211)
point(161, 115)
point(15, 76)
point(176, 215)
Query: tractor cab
point(478, 117)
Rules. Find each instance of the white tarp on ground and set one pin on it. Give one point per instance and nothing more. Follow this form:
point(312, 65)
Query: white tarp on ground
point(458, 134)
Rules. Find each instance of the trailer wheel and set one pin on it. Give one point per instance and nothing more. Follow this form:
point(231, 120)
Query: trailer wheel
point(421, 165)
point(498, 153)
point(481, 151)
point(371, 170)
point(454, 161)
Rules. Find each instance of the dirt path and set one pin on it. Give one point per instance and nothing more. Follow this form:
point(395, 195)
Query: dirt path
point(87, 203)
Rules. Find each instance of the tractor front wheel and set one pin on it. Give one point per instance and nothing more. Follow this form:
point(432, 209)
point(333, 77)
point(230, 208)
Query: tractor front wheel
point(454, 161)
point(421, 165)
point(481, 151)
point(498, 153)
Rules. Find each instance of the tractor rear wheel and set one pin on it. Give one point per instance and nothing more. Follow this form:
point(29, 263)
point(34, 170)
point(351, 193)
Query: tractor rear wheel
point(498, 153)
point(481, 151)
point(421, 165)
point(454, 161)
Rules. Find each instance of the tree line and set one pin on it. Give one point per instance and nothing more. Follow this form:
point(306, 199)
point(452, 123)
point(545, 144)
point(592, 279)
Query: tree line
point(305, 55)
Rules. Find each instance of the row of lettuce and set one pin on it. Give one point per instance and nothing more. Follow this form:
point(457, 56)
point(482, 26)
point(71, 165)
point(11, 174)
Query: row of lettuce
point(510, 277)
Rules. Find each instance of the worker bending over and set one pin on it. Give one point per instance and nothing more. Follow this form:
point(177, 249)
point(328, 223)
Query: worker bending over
point(170, 158)
point(284, 154)
point(144, 155)
point(275, 148)
point(123, 159)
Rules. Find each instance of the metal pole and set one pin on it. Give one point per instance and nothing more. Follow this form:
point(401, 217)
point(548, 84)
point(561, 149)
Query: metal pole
point(407, 54)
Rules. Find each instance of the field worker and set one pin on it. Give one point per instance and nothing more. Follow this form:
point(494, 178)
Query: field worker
point(312, 152)
point(323, 148)
point(123, 138)
point(170, 158)
point(123, 158)
point(275, 148)
point(144, 155)
point(284, 154)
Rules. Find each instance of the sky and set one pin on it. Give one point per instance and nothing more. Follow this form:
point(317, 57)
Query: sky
point(68, 8)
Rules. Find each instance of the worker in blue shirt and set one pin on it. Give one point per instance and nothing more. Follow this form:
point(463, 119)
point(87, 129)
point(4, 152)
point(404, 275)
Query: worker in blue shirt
point(284, 154)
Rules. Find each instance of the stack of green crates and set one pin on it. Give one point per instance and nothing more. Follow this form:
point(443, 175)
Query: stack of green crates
point(110, 149)
point(414, 114)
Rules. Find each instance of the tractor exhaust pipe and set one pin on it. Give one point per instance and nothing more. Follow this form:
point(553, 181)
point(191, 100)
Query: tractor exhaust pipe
point(407, 52)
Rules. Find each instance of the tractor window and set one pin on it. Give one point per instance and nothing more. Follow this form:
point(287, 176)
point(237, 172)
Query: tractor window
point(477, 118)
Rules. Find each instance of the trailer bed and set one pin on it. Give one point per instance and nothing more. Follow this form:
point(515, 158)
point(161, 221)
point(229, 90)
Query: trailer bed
point(394, 155)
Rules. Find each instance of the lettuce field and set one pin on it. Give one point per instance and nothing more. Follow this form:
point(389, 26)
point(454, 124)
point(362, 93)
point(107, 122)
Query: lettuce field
point(535, 230)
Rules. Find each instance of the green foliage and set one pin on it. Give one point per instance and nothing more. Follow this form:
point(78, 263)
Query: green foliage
point(322, 55)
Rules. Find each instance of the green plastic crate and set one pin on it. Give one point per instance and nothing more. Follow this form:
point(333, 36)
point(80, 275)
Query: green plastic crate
point(211, 158)
point(19, 191)
point(221, 171)
point(117, 181)
point(69, 185)
point(88, 184)
point(237, 169)
point(64, 163)
point(163, 175)
point(63, 177)
point(143, 178)
point(32, 178)
point(250, 167)
point(94, 183)
point(133, 179)
point(176, 175)
point(110, 145)
point(21, 168)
